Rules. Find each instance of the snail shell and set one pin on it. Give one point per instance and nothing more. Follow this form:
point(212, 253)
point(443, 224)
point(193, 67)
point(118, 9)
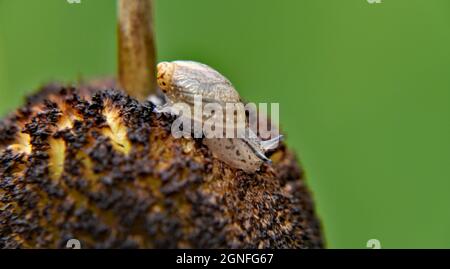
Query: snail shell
point(182, 80)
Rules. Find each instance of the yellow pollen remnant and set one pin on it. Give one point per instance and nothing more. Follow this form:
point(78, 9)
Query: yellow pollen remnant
point(22, 144)
point(117, 131)
point(66, 121)
point(56, 153)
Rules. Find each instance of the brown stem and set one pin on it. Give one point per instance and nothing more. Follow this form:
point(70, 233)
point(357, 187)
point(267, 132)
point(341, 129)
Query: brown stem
point(137, 56)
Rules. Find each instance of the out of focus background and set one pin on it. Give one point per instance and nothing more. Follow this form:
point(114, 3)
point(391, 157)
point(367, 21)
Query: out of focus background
point(364, 91)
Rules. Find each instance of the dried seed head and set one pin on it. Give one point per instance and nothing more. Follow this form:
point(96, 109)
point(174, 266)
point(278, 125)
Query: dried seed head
point(104, 169)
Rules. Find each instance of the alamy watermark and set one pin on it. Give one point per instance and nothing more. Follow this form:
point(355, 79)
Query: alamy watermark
point(224, 120)
point(373, 244)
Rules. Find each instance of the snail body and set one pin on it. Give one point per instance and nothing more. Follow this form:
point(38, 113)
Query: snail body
point(188, 81)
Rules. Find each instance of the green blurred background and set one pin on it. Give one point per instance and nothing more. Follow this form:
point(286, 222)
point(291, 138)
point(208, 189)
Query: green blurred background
point(364, 91)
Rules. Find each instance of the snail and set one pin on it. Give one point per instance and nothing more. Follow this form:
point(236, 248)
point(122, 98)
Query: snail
point(186, 81)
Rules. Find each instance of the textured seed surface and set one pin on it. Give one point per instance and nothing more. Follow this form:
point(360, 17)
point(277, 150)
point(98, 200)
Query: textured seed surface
point(101, 167)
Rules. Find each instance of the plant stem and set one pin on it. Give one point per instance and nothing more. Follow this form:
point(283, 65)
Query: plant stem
point(136, 43)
